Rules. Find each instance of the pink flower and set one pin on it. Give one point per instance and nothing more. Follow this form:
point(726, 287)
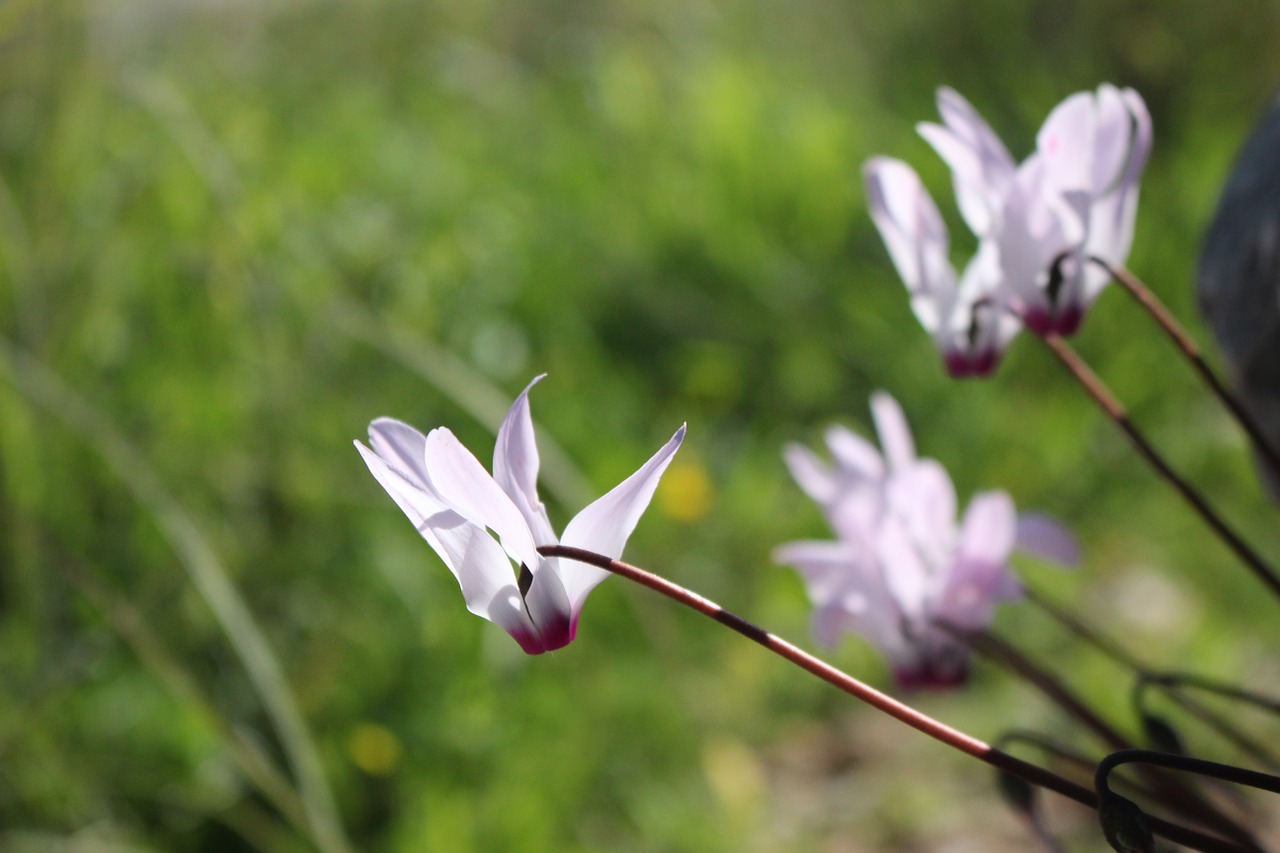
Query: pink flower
point(486, 527)
point(1038, 223)
point(902, 573)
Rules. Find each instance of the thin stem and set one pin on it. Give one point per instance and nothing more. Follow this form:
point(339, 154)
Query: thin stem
point(1153, 306)
point(903, 713)
point(1226, 772)
point(1146, 675)
point(1209, 685)
point(991, 646)
point(1114, 410)
point(1169, 789)
point(1046, 745)
point(1085, 632)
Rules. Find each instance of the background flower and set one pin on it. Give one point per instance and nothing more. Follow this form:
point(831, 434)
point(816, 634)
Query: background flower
point(902, 573)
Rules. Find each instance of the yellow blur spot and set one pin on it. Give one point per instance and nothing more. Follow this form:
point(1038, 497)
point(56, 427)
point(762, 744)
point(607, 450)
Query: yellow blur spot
point(685, 491)
point(374, 749)
point(735, 775)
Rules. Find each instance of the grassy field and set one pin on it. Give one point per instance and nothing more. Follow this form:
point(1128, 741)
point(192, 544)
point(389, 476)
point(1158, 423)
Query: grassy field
point(233, 233)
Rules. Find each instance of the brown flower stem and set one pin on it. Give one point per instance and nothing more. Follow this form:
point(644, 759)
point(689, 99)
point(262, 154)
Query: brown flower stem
point(1169, 685)
point(1101, 395)
point(1085, 632)
point(988, 645)
point(1166, 321)
point(1169, 789)
point(904, 713)
point(1225, 772)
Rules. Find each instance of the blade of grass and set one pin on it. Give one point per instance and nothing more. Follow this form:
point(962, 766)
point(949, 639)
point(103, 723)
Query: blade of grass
point(41, 387)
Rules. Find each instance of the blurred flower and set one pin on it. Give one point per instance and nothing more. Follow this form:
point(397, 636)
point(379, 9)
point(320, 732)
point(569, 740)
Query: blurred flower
point(969, 327)
point(454, 502)
point(901, 573)
point(1038, 224)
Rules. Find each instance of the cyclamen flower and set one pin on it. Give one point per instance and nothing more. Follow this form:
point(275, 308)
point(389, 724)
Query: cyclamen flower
point(455, 503)
point(1038, 224)
point(902, 573)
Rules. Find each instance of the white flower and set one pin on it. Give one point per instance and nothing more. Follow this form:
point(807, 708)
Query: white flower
point(455, 504)
point(1039, 224)
point(902, 573)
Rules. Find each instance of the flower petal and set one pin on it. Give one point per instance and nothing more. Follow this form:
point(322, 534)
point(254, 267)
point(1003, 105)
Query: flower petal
point(854, 456)
point(913, 232)
point(477, 562)
point(1046, 539)
point(485, 574)
point(466, 487)
point(604, 525)
point(981, 167)
point(895, 435)
point(400, 446)
point(549, 605)
point(814, 477)
point(987, 532)
point(515, 466)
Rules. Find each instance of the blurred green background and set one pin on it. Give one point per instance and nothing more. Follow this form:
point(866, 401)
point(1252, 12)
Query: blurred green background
point(232, 233)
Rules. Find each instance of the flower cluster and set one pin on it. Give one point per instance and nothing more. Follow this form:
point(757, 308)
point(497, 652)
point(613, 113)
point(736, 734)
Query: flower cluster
point(901, 573)
point(1040, 224)
point(454, 503)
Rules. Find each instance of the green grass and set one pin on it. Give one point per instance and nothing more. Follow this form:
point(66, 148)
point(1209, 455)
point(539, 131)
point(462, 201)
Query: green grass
point(230, 236)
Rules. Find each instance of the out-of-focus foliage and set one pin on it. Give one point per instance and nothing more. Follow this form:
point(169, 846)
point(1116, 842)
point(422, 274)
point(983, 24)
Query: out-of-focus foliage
point(232, 233)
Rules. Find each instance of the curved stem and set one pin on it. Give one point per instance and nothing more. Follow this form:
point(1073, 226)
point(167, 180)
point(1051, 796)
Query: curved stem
point(1165, 681)
point(1114, 410)
point(903, 713)
point(1199, 766)
point(1153, 306)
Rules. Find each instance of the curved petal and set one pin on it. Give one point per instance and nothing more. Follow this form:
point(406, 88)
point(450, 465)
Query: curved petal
point(549, 606)
point(477, 562)
point(908, 577)
point(604, 525)
point(980, 577)
point(913, 232)
point(814, 477)
point(1046, 539)
point(1066, 143)
point(408, 493)
point(854, 455)
point(485, 575)
point(981, 168)
point(515, 466)
point(463, 484)
point(895, 435)
point(827, 566)
point(987, 532)
point(401, 446)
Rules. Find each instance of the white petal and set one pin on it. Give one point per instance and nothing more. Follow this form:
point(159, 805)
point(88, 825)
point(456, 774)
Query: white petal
point(405, 489)
point(401, 446)
point(987, 532)
point(914, 234)
point(981, 168)
point(604, 525)
point(1065, 142)
point(485, 574)
point(979, 576)
point(549, 607)
point(854, 455)
point(814, 477)
point(907, 576)
point(1044, 538)
point(462, 483)
point(895, 434)
point(478, 563)
point(515, 466)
